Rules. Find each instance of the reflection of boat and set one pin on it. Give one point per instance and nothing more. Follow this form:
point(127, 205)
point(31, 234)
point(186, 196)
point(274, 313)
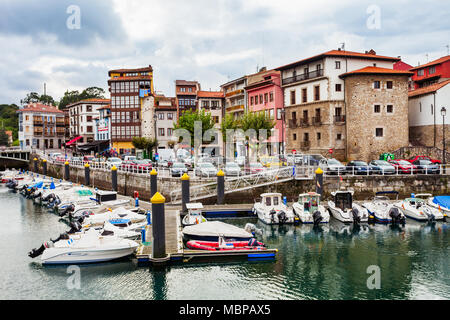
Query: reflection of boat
point(340, 228)
point(271, 210)
point(345, 210)
point(383, 210)
point(223, 245)
point(417, 208)
point(212, 230)
point(309, 210)
point(194, 215)
point(84, 248)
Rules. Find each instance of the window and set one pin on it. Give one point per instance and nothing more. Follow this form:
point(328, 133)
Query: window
point(304, 95)
point(88, 118)
point(318, 136)
point(306, 136)
point(339, 136)
point(251, 101)
point(160, 116)
point(271, 113)
point(420, 106)
point(271, 96)
point(338, 87)
point(169, 132)
point(379, 132)
point(420, 72)
point(256, 99)
point(294, 136)
point(431, 70)
point(170, 116)
point(292, 97)
point(376, 85)
point(266, 96)
point(260, 98)
point(377, 108)
point(160, 131)
point(89, 129)
point(306, 71)
point(338, 64)
point(389, 84)
point(279, 114)
point(317, 93)
point(389, 108)
point(431, 109)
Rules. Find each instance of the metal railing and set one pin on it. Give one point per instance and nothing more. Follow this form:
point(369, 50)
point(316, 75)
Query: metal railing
point(303, 76)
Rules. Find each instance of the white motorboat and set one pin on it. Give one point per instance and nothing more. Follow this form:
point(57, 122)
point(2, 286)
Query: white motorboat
point(87, 247)
point(272, 210)
point(345, 210)
point(113, 214)
point(194, 215)
point(382, 210)
point(418, 209)
point(309, 210)
point(212, 230)
point(442, 203)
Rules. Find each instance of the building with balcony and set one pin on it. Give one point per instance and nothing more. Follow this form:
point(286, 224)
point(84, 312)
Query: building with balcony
point(431, 73)
point(315, 99)
point(132, 106)
point(186, 94)
point(235, 96)
point(166, 116)
point(212, 102)
point(41, 127)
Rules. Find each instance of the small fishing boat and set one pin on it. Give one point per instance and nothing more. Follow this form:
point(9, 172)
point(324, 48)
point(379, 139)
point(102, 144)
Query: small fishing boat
point(382, 210)
point(112, 214)
point(212, 230)
point(442, 203)
point(345, 210)
point(194, 215)
point(309, 210)
point(88, 247)
point(272, 210)
point(417, 208)
point(223, 245)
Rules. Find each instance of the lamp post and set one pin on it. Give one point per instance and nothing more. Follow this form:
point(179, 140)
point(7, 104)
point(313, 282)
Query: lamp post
point(283, 114)
point(443, 113)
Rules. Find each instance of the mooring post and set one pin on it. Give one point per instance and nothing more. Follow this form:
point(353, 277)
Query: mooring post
point(35, 163)
point(153, 182)
point(158, 226)
point(87, 174)
point(114, 178)
point(66, 171)
point(44, 167)
point(185, 196)
point(220, 187)
point(319, 181)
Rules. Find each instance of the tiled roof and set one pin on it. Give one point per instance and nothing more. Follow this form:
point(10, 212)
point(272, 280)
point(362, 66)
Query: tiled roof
point(185, 83)
point(428, 89)
point(39, 107)
point(145, 69)
point(93, 100)
point(108, 106)
point(377, 70)
point(432, 63)
point(210, 94)
point(130, 78)
point(340, 53)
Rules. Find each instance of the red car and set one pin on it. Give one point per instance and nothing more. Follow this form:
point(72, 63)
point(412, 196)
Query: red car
point(424, 158)
point(143, 164)
point(255, 167)
point(403, 166)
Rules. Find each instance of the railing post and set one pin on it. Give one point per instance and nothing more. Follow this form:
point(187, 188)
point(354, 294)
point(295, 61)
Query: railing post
point(319, 181)
point(158, 226)
point(66, 171)
point(185, 196)
point(220, 187)
point(114, 177)
point(153, 182)
point(87, 174)
point(44, 167)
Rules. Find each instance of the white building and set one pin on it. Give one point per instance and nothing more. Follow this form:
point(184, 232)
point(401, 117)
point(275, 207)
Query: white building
point(166, 116)
point(212, 102)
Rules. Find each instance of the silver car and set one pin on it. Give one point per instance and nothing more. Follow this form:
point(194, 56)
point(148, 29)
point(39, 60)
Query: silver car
point(232, 169)
point(332, 166)
point(205, 169)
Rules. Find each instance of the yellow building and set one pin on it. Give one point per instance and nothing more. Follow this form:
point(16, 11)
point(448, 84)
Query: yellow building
point(128, 88)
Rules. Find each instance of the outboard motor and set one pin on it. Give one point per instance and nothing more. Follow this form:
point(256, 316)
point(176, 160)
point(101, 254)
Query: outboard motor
point(37, 252)
point(396, 216)
point(62, 236)
point(356, 217)
point(75, 226)
point(67, 210)
point(429, 214)
point(281, 217)
point(272, 215)
point(317, 217)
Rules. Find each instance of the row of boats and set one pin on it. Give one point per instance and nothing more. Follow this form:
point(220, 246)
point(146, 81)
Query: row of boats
point(271, 209)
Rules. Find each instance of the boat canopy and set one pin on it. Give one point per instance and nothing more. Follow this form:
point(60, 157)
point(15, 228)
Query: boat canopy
point(443, 201)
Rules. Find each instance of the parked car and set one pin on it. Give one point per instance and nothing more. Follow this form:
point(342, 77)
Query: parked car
point(413, 159)
point(113, 161)
point(88, 159)
point(403, 166)
point(232, 169)
point(140, 165)
point(358, 167)
point(77, 159)
point(61, 159)
point(254, 167)
point(129, 158)
point(332, 166)
point(178, 169)
point(54, 155)
point(426, 166)
point(382, 167)
point(165, 163)
point(240, 160)
point(294, 159)
point(205, 169)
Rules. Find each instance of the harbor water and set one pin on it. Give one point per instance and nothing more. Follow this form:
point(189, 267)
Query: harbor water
point(334, 262)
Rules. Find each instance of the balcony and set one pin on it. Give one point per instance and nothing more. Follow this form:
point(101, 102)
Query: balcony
point(293, 123)
point(304, 76)
point(339, 119)
point(305, 145)
point(37, 133)
point(304, 122)
point(316, 121)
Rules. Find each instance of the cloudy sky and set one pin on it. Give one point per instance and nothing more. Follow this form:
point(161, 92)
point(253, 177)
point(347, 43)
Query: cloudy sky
point(211, 41)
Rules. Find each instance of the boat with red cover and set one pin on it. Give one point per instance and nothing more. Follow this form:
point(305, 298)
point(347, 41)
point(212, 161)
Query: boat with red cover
point(223, 245)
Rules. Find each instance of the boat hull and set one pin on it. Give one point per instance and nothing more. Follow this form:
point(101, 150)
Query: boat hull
point(78, 256)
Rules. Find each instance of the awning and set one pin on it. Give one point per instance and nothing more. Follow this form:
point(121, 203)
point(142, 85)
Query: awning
point(94, 146)
point(73, 140)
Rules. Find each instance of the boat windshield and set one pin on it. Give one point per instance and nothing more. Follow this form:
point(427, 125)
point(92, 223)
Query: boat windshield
point(343, 200)
point(310, 203)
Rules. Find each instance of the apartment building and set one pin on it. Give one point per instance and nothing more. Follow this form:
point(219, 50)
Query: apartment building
point(166, 116)
point(235, 96)
point(186, 94)
point(212, 102)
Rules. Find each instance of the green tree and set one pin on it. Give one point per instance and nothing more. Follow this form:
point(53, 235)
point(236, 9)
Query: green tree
point(69, 98)
point(146, 144)
point(92, 93)
point(75, 96)
point(31, 97)
point(4, 138)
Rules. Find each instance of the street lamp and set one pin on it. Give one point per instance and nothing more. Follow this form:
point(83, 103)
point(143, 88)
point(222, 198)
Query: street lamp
point(283, 114)
point(443, 113)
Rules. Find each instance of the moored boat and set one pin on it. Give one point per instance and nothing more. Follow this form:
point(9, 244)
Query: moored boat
point(345, 210)
point(309, 210)
point(272, 210)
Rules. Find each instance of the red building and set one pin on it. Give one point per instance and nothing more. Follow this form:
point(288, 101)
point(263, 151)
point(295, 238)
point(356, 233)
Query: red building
point(432, 72)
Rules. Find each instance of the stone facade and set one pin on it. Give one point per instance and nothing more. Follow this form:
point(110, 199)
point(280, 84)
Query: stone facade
point(363, 120)
point(426, 135)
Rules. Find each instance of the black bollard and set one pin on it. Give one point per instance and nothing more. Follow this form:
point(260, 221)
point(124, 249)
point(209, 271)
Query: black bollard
point(114, 178)
point(44, 167)
point(220, 187)
point(35, 163)
point(158, 226)
point(153, 182)
point(87, 174)
point(319, 181)
point(185, 196)
point(66, 171)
